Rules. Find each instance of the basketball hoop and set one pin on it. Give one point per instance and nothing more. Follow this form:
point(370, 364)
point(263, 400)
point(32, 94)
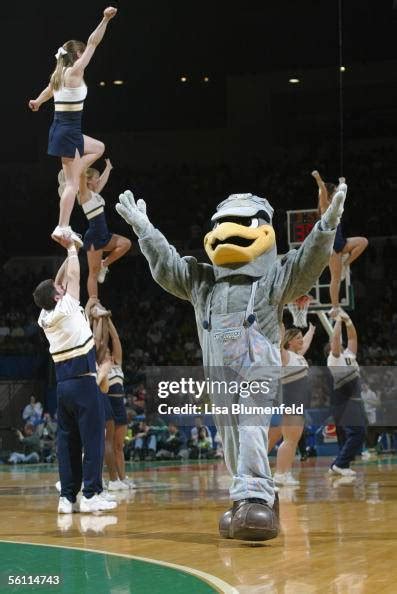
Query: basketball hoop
point(299, 309)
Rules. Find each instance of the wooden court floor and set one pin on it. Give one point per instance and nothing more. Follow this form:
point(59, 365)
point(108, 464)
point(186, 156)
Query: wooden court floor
point(337, 537)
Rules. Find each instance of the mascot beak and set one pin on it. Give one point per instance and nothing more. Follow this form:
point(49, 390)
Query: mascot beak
point(231, 243)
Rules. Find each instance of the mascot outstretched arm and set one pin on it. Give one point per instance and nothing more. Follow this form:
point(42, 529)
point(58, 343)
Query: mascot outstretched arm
point(238, 301)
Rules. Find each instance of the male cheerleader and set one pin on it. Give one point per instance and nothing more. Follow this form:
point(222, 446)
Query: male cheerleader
point(81, 422)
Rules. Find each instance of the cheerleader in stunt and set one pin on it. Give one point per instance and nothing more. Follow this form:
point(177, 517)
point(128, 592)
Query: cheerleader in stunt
point(66, 140)
point(345, 250)
point(97, 238)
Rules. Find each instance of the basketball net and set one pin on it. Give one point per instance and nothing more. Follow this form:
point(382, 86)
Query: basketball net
point(299, 309)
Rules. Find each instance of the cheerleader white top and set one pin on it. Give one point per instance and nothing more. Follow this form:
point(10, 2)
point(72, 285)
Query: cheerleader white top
point(116, 381)
point(344, 368)
point(296, 368)
point(94, 206)
point(70, 98)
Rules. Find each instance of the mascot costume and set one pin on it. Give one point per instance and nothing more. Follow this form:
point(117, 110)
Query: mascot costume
point(238, 302)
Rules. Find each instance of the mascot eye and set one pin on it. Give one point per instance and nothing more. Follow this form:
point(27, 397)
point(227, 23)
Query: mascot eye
point(254, 223)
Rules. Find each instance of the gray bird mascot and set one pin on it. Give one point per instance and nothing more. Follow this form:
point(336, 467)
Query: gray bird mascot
point(238, 302)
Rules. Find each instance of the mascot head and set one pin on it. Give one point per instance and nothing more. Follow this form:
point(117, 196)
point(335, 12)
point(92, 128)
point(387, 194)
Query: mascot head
point(242, 240)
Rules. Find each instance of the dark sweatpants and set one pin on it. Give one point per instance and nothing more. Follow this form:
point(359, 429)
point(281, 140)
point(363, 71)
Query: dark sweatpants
point(350, 420)
point(81, 427)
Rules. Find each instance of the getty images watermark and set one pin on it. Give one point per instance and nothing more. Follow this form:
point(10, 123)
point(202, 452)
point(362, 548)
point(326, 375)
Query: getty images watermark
point(221, 390)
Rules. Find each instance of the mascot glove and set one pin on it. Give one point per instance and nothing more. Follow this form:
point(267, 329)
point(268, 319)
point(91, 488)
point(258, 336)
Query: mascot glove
point(134, 213)
point(332, 215)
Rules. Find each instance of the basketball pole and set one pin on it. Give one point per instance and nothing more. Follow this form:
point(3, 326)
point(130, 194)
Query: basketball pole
point(326, 324)
point(340, 89)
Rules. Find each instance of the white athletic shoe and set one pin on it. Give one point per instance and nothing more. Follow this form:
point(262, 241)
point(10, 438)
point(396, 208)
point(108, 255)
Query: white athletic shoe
point(342, 471)
point(102, 273)
point(65, 506)
point(95, 503)
point(129, 482)
point(285, 479)
point(60, 232)
point(290, 481)
point(107, 496)
point(117, 485)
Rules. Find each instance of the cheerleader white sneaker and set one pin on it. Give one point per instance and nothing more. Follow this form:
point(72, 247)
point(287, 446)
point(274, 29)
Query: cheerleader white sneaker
point(129, 482)
point(107, 496)
point(285, 479)
point(60, 232)
point(290, 480)
point(102, 273)
point(117, 485)
point(96, 503)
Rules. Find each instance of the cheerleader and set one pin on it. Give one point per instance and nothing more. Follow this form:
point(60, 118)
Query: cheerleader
point(109, 357)
point(345, 251)
point(104, 364)
point(77, 151)
point(116, 398)
point(98, 239)
point(295, 386)
point(346, 402)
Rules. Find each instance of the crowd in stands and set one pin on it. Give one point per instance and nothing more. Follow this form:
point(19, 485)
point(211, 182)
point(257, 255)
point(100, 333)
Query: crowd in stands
point(148, 438)
point(152, 439)
point(37, 440)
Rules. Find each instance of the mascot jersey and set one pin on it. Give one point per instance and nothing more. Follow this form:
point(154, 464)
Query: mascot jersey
point(238, 301)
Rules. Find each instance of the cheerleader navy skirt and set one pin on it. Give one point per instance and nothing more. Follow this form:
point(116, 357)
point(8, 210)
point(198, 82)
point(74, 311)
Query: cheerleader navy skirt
point(65, 134)
point(97, 234)
point(297, 392)
point(108, 408)
point(119, 410)
point(339, 241)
